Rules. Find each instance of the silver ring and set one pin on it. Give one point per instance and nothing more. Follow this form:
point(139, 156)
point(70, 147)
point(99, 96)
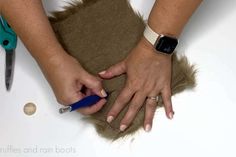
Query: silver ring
point(156, 98)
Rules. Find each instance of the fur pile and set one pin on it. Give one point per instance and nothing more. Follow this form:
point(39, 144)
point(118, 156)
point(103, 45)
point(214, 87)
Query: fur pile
point(100, 33)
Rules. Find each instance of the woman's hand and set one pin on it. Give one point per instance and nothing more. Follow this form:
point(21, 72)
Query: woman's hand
point(67, 78)
point(63, 72)
point(148, 75)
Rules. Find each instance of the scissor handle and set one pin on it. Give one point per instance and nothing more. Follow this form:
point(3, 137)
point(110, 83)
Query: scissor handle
point(8, 38)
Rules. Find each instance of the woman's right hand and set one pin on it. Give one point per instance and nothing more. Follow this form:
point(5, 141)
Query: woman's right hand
point(63, 72)
point(67, 78)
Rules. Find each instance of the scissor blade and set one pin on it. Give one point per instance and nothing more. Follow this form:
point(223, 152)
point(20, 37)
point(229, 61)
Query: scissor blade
point(9, 69)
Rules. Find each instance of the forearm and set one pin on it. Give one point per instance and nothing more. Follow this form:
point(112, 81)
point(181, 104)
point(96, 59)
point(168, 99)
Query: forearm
point(29, 21)
point(169, 17)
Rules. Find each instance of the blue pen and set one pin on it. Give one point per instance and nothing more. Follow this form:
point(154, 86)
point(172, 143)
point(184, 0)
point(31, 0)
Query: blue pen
point(85, 102)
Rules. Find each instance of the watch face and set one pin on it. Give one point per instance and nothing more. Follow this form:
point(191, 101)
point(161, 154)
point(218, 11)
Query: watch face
point(167, 44)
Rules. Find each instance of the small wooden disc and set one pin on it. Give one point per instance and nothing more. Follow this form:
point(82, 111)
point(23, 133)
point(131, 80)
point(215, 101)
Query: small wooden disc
point(30, 109)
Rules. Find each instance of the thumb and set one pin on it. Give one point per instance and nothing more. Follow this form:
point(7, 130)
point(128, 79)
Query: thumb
point(93, 83)
point(114, 70)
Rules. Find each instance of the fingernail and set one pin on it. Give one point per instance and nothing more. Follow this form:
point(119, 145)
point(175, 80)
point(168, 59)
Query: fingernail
point(102, 72)
point(148, 128)
point(123, 127)
point(171, 115)
point(110, 119)
point(104, 94)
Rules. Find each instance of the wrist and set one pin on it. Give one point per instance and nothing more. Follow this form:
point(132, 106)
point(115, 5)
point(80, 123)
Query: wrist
point(52, 58)
point(148, 48)
point(145, 44)
point(160, 42)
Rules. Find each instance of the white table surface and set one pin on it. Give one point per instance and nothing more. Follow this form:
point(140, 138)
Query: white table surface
point(204, 123)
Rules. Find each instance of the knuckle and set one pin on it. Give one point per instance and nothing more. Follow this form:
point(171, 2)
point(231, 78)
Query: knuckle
point(166, 91)
point(149, 88)
point(167, 104)
point(112, 113)
point(60, 102)
point(65, 100)
point(166, 95)
point(152, 105)
point(110, 68)
point(85, 113)
point(122, 65)
point(134, 107)
point(125, 121)
point(148, 119)
point(134, 85)
point(158, 86)
point(120, 100)
point(97, 84)
point(167, 87)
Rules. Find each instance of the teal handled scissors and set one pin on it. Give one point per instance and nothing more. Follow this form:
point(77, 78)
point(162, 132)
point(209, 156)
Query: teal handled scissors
point(8, 41)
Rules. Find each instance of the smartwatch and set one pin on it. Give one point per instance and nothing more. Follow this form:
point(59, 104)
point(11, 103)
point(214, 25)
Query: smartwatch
point(161, 43)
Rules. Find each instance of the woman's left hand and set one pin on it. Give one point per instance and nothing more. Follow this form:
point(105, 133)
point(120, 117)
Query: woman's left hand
point(148, 75)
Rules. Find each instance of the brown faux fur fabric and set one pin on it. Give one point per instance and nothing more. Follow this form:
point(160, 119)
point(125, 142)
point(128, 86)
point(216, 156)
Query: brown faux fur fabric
point(100, 33)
